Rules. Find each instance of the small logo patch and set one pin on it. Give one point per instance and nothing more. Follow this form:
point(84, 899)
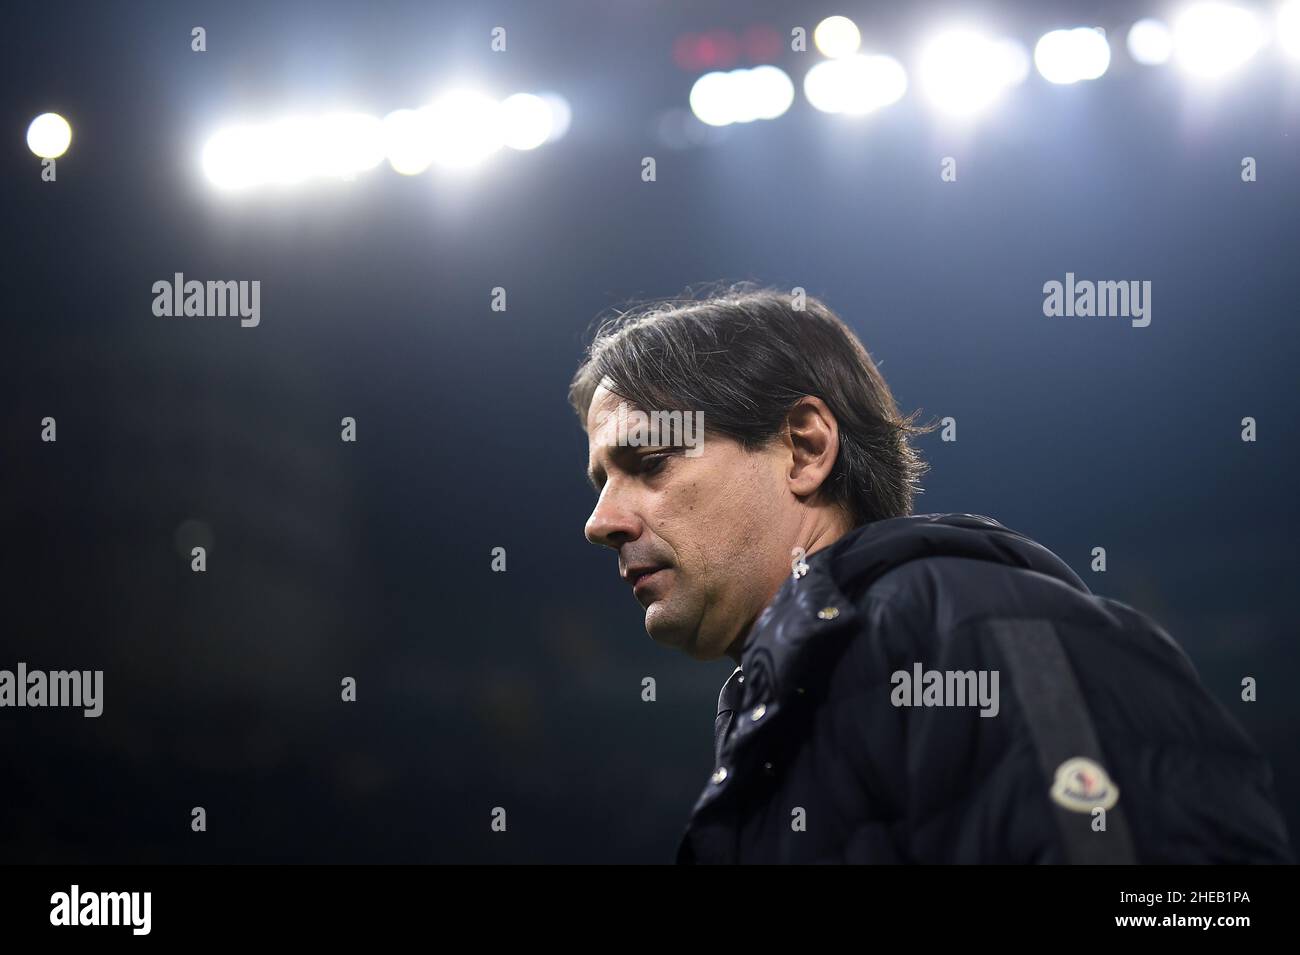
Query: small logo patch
point(1082, 786)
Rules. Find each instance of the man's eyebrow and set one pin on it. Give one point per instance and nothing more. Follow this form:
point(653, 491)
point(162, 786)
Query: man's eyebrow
point(617, 452)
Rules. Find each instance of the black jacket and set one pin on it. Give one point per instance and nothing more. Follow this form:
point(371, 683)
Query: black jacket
point(1104, 746)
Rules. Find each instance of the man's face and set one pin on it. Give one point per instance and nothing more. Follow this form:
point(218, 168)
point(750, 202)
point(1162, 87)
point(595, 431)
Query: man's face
point(704, 539)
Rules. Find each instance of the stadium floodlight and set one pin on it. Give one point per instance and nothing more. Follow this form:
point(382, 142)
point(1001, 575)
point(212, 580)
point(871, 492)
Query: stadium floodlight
point(231, 158)
point(1071, 56)
point(467, 128)
point(408, 141)
point(836, 37)
point(458, 130)
point(561, 115)
point(741, 96)
point(525, 121)
point(963, 72)
point(769, 91)
point(1150, 42)
point(1212, 39)
point(710, 98)
point(49, 135)
point(855, 85)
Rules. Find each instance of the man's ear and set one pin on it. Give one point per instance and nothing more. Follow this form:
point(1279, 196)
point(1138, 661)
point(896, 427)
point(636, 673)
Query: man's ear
point(812, 436)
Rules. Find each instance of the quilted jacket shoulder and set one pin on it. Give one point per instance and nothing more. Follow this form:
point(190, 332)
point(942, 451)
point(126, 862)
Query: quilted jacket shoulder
point(817, 761)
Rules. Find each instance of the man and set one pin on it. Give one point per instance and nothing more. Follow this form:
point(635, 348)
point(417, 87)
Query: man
point(930, 688)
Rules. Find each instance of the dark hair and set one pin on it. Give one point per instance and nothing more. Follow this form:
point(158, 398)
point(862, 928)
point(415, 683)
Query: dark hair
point(743, 356)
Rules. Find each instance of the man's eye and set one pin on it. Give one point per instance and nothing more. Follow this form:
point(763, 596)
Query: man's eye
point(653, 463)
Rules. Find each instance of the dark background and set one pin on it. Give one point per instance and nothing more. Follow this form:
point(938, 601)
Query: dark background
point(371, 560)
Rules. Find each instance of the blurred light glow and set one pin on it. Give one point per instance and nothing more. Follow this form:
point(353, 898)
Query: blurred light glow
point(711, 99)
point(963, 72)
point(769, 92)
point(344, 144)
point(287, 147)
point(1288, 28)
point(1150, 42)
point(525, 121)
point(467, 128)
point(458, 130)
point(49, 136)
point(855, 85)
point(408, 141)
point(741, 96)
point(1213, 39)
point(230, 158)
point(1013, 61)
point(561, 115)
point(837, 36)
point(293, 150)
point(761, 43)
point(1069, 56)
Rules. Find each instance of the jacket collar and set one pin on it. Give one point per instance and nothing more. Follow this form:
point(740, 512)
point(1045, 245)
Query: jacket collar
point(729, 699)
point(779, 647)
point(777, 651)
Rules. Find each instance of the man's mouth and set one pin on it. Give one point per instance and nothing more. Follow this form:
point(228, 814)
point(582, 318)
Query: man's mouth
point(644, 579)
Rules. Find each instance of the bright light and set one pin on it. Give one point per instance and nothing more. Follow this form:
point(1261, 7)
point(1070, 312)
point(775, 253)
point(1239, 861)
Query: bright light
point(1212, 39)
point(1068, 56)
point(768, 91)
point(741, 96)
point(1012, 59)
point(561, 115)
point(458, 130)
point(963, 72)
point(837, 37)
point(346, 144)
point(711, 99)
point(1150, 42)
point(292, 150)
point(408, 141)
point(467, 128)
point(288, 148)
point(230, 158)
point(1288, 28)
point(525, 120)
point(855, 85)
point(49, 136)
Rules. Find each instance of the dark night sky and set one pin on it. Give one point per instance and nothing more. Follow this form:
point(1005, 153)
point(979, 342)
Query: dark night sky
point(372, 560)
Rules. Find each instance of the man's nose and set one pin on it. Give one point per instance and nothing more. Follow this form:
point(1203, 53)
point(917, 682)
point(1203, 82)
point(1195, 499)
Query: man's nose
point(612, 523)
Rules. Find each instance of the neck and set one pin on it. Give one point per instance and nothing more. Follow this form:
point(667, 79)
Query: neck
point(818, 531)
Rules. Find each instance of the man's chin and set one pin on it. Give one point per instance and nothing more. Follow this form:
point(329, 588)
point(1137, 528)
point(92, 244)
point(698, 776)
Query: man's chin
point(664, 627)
point(669, 630)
